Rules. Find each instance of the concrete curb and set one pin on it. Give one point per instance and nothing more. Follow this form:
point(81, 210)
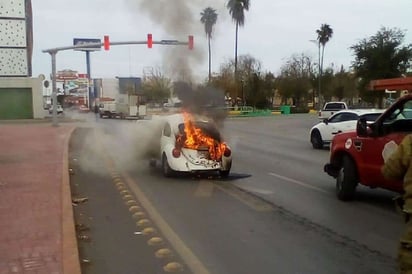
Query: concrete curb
point(70, 253)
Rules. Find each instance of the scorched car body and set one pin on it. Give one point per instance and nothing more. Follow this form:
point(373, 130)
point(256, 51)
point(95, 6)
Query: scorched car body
point(190, 144)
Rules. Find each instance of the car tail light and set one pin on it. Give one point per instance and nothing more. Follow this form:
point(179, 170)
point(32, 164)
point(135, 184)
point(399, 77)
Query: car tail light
point(227, 152)
point(176, 153)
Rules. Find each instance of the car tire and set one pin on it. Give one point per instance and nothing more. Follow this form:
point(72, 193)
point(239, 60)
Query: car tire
point(347, 180)
point(167, 171)
point(224, 173)
point(316, 139)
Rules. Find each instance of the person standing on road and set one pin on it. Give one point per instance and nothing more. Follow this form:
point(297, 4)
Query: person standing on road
point(96, 111)
point(398, 166)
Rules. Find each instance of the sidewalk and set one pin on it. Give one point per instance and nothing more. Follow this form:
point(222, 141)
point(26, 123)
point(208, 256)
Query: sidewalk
point(36, 221)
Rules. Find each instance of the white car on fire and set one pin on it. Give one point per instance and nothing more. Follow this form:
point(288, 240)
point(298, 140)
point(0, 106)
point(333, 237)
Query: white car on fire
point(193, 144)
point(343, 121)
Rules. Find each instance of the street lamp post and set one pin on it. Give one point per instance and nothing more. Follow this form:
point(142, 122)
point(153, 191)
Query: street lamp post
point(54, 89)
point(243, 91)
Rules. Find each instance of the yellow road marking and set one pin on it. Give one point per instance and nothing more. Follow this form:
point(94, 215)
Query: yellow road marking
point(194, 264)
point(131, 203)
point(164, 253)
point(173, 267)
point(148, 231)
point(139, 215)
point(155, 241)
point(143, 222)
point(127, 197)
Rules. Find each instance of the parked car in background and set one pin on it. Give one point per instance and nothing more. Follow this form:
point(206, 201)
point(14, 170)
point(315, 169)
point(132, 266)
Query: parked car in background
point(193, 144)
point(357, 157)
point(330, 108)
point(59, 109)
point(342, 121)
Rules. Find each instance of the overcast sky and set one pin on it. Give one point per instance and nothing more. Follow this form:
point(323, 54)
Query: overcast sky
point(273, 32)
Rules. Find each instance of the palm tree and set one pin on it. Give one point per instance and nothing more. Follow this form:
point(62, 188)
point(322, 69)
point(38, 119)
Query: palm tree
point(237, 11)
point(209, 18)
point(324, 35)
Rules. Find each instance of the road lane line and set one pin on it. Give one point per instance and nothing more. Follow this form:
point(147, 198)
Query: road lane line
point(194, 264)
point(298, 182)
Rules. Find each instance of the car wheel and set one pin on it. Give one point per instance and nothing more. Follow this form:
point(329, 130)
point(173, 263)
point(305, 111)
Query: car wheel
point(316, 139)
point(167, 171)
point(224, 173)
point(347, 180)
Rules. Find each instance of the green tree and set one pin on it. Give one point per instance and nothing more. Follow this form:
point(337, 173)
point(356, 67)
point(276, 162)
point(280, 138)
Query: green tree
point(209, 18)
point(237, 12)
point(343, 85)
point(324, 35)
point(269, 87)
point(380, 56)
point(295, 80)
point(157, 87)
point(249, 70)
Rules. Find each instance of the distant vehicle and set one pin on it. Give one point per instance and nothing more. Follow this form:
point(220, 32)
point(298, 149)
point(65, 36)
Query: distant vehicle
point(107, 109)
point(124, 106)
point(356, 157)
point(172, 107)
point(342, 121)
point(330, 108)
point(59, 109)
point(193, 144)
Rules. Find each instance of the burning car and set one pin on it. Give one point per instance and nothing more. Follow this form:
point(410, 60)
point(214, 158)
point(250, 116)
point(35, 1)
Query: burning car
point(193, 144)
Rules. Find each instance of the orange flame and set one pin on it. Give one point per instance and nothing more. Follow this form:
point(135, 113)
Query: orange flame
point(195, 139)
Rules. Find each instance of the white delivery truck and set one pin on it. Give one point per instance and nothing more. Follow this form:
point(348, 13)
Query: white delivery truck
point(107, 109)
point(129, 106)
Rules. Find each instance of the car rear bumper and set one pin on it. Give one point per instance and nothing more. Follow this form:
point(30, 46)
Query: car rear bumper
point(183, 164)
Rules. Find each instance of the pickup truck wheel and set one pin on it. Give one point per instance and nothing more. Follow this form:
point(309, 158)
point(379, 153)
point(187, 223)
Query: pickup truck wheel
point(316, 139)
point(167, 171)
point(347, 180)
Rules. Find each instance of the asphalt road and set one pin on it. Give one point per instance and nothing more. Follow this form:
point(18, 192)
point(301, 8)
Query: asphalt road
point(276, 213)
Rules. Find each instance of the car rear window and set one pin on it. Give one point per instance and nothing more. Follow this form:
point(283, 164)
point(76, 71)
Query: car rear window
point(334, 106)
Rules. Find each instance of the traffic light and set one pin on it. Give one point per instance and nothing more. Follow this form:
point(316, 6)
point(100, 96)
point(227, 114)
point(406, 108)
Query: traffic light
point(190, 42)
point(149, 41)
point(106, 42)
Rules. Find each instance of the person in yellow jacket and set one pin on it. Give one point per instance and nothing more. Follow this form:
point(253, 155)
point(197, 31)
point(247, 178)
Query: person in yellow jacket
point(398, 166)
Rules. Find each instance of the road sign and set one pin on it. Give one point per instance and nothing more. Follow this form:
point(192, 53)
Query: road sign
point(169, 42)
point(85, 42)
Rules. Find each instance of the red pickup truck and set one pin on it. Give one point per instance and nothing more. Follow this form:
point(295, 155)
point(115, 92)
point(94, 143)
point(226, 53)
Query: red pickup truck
point(356, 157)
